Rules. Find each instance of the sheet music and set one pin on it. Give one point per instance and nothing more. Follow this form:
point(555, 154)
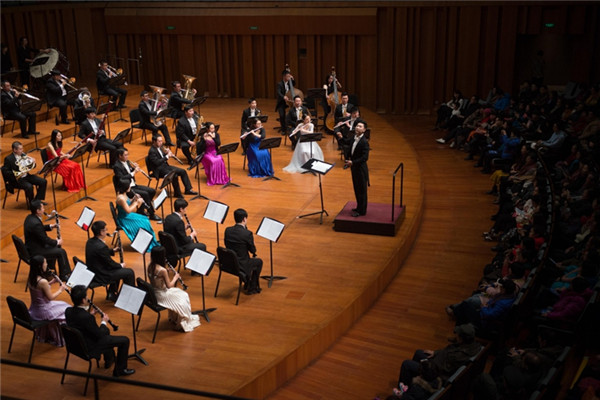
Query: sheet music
point(201, 262)
point(86, 218)
point(159, 199)
point(216, 211)
point(321, 166)
point(142, 241)
point(81, 275)
point(130, 299)
point(270, 229)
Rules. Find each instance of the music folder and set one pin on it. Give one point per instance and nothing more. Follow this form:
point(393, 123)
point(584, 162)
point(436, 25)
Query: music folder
point(216, 211)
point(142, 241)
point(201, 262)
point(81, 275)
point(130, 299)
point(86, 218)
point(159, 199)
point(270, 229)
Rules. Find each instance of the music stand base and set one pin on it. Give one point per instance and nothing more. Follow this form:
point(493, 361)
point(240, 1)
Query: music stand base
point(315, 213)
point(271, 177)
point(86, 197)
point(229, 184)
point(273, 278)
point(138, 356)
point(199, 196)
point(204, 313)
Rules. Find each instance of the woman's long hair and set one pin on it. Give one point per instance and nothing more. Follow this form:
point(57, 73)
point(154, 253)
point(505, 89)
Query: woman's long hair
point(158, 256)
point(55, 144)
point(35, 269)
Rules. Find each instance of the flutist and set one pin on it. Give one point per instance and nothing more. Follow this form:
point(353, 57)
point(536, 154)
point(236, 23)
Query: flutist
point(126, 170)
point(19, 165)
point(177, 224)
point(294, 116)
point(97, 338)
point(11, 108)
point(158, 161)
point(98, 258)
point(56, 94)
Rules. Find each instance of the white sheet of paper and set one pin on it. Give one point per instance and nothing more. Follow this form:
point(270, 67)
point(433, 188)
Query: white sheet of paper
point(159, 199)
point(130, 299)
point(321, 166)
point(216, 211)
point(81, 275)
point(141, 241)
point(270, 229)
point(86, 218)
point(200, 261)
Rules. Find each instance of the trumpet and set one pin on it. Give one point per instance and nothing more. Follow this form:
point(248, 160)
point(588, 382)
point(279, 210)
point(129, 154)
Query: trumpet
point(69, 81)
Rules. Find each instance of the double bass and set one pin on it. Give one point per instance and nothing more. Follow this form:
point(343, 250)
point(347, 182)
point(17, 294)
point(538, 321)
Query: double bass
point(333, 99)
point(293, 92)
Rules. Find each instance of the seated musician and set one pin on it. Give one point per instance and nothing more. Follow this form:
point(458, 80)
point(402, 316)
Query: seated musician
point(187, 129)
point(342, 110)
point(11, 108)
point(19, 164)
point(69, 170)
point(346, 130)
point(239, 239)
point(294, 116)
point(98, 258)
point(176, 225)
point(177, 101)
point(37, 241)
point(98, 339)
point(82, 102)
point(25, 56)
point(92, 125)
point(56, 94)
point(146, 114)
point(158, 162)
point(330, 87)
point(125, 170)
point(283, 86)
point(251, 111)
point(103, 77)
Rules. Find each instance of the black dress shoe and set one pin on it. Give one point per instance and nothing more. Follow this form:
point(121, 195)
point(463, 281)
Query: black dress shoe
point(355, 210)
point(123, 372)
point(25, 136)
point(355, 214)
point(65, 122)
point(121, 106)
point(169, 144)
point(155, 217)
point(33, 133)
point(346, 166)
point(191, 192)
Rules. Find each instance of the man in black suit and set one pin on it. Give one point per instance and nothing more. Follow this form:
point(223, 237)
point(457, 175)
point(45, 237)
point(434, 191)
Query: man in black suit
point(342, 110)
point(239, 239)
point(145, 107)
point(24, 180)
point(82, 103)
point(176, 226)
point(158, 162)
point(98, 339)
point(37, 241)
point(103, 77)
point(187, 129)
point(11, 108)
point(283, 87)
point(177, 101)
point(345, 132)
point(98, 258)
point(357, 160)
point(56, 94)
point(125, 171)
point(91, 125)
point(251, 111)
point(294, 116)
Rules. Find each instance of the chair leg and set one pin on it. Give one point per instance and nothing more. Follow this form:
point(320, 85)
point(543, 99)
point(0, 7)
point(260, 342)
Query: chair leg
point(87, 379)
point(5, 195)
point(93, 293)
point(156, 326)
point(64, 369)
point(31, 348)
point(239, 290)
point(11, 337)
point(218, 281)
point(17, 273)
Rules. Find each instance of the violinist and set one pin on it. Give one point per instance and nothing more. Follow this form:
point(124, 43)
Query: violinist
point(99, 139)
point(294, 116)
point(147, 111)
point(283, 87)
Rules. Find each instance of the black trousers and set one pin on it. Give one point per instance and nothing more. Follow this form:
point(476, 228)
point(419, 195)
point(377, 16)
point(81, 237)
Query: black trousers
point(179, 174)
point(185, 149)
point(29, 181)
point(164, 131)
point(23, 118)
point(360, 179)
point(252, 268)
point(124, 274)
point(147, 194)
point(116, 92)
point(62, 107)
point(52, 254)
point(106, 344)
point(107, 144)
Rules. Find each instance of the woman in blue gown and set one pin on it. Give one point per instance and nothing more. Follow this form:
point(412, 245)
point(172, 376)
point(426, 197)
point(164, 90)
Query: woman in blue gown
point(127, 216)
point(259, 161)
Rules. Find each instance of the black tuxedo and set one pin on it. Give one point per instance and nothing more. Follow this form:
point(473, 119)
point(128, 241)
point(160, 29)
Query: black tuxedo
point(38, 242)
point(291, 120)
point(11, 108)
point(98, 338)
point(102, 83)
point(98, 258)
point(360, 172)
point(28, 181)
point(281, 104)
point(174, 225)
point(124, 173)
point(240, 239)
point(146, 114)
point(176, 101)
point(79, 110)
point(160, 166)
point(103, 142)
point(184, 133)
point(338, 114)
point(347, 134)
point(55, 98)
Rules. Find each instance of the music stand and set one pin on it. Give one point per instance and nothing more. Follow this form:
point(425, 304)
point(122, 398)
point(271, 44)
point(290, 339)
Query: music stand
point(118, 81)
point(48, 168)
point(317, 94)
point(159, 201)
point(131, 299)
point(202, 262)
point(271, 230)
point(217, 212)
point(226, 149)
point(71, 97)
point(310, 137)
point(197, 102)
point(166, 183)
point(270, 143)
point(121, 136)
point(105, 109)
point(140, 243)
point(32, 106)
point(196, 163)
point(85, 219)
point(320, 168)
point(79, 153)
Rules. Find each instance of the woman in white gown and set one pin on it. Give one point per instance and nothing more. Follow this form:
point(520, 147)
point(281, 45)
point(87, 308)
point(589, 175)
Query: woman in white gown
point(304, 150)
point(169, 296)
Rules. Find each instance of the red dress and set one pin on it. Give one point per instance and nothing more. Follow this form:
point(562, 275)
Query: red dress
point(70, 172)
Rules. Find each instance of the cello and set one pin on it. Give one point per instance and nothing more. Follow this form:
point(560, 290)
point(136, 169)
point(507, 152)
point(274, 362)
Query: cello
point(293, 92)
point(333, 99)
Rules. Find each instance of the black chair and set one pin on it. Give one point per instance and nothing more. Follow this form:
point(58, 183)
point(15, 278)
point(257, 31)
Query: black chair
point(150, 302)
point(75, 345)
point(4, 121)
point(22, 253)
point(20, 316)
point(10, 184)
point(174, 254)
point(229, 263)
point(151, 174)
point(134, 118)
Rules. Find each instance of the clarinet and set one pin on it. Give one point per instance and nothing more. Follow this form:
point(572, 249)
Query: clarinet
point(183, 285)
point(119, 245)
point(99, 311)
point(190, 226)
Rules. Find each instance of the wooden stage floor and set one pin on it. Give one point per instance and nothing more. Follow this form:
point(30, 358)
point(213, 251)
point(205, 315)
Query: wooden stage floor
point(254, 348)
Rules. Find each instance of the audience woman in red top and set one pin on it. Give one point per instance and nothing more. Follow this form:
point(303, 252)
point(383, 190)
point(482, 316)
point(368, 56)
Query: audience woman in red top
point(69, 170)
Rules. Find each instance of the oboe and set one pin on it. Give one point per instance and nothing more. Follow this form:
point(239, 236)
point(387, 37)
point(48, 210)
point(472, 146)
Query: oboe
point(190, 226)
point(183, 285)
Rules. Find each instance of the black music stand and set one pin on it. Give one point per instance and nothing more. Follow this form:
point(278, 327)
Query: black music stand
point(262, 118)
point(202, 263)
point(86, 218)
point(105, 109)
point(32, 106)
point(121, 136)
point(79, 153)
point(320, 168)
point(48, 168)
point(216, 212)
point(71, 97)
point(167, 183)
point(270, 143)
point(197, 102)
point(118, 81)
point(317, 94)
point(310, 137)
point(226, 149)
point(271, 230)
point(131, 299)
point(196, 163)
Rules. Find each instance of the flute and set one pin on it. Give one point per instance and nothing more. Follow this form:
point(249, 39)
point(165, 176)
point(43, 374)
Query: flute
point(190, 226)
point(183, 285)
point(250, 132)
point(298, 128)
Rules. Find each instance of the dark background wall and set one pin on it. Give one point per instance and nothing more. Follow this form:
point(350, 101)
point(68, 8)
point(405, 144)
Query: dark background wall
point(398, 57)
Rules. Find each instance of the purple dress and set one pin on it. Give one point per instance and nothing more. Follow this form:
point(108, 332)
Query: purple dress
point(43, 309)
point(214, 166)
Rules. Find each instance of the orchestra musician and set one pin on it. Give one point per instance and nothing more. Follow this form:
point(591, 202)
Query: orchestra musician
point(146, 113)
point(98, 258)
point(92, 125)
point(25, 56)
point(251, 111)
point(294, 116)
point(103, 77)
point(187, 129)
point(158, 162)
point(176, 225)
point(259, 160)
point(11, 109)
point(177, 101)
point(239, 239)
point(97, 338)
point(83, 102)
point(19, 165)
point(38, 242)
point(69, 170)
point(125, 170)
point(304, 150)
point(357, 158)
point(329, 86)
point(56, 94)
point(283, 87)
point(345, 132)
point(342, 110)
point(214, 165)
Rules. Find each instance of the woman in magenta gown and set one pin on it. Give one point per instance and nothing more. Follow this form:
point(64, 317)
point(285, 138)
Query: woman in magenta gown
point(69, 170)
point(214, 166)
